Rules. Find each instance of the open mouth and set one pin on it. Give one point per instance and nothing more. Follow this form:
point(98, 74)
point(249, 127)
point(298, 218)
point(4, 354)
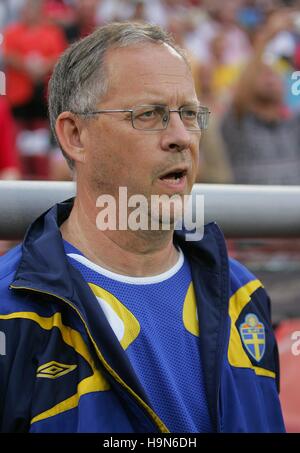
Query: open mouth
point(174, 177)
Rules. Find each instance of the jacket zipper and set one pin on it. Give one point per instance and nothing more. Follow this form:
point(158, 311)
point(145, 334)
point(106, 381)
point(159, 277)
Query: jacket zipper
point(154, 417)
point(221, 348)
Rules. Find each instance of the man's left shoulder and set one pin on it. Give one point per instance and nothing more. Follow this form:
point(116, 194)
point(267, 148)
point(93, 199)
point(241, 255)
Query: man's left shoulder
point(245, 288)
point(239, 273)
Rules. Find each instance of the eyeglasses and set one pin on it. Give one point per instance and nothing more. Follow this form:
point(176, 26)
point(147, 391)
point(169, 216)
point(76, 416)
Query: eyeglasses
point(157, 117)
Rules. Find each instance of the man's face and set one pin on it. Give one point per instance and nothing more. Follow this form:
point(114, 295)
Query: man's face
point(143, 161)
point(268, 86)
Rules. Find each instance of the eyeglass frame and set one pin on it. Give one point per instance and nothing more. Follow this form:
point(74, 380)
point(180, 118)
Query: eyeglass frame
point(168, 110)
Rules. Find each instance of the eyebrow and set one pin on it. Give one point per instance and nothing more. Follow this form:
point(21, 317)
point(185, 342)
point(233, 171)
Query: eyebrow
point(192, 103)
point(195, 103)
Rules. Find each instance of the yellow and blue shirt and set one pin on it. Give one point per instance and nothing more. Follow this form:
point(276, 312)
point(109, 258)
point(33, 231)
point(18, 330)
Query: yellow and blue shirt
point(155, 320)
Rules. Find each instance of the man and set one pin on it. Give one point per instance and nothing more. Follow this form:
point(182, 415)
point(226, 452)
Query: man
point(261, 137)
point(131, 330)
point(31, 47)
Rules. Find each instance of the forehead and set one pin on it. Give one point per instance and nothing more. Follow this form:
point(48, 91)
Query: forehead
point(148, 73)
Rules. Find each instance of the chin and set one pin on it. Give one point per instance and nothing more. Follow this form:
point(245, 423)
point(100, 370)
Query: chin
point(169, 211)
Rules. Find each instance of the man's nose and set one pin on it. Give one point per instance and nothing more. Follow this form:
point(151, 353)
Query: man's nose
point(175, 137)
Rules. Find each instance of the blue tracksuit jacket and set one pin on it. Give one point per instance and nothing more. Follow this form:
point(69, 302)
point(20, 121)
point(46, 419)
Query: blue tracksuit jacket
point(62, 368)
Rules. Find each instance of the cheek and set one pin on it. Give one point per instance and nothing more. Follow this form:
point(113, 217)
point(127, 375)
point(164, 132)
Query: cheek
point(137, 152)
point(196, 157)
point(122, 160)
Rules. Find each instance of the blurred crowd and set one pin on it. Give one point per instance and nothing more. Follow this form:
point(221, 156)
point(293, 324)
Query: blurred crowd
point(244, 56)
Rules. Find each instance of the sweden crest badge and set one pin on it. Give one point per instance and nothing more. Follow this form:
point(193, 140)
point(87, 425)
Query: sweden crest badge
point(253, 336)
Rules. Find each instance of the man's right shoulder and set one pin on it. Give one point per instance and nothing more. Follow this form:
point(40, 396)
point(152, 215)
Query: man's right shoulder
point(9, 262)
point(12, 301)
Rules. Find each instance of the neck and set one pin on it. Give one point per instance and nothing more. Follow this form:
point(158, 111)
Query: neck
point(134, 253)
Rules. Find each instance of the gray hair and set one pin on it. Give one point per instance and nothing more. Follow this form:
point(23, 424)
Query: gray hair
point(79, 78)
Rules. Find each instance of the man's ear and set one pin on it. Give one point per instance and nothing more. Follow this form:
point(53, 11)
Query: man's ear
point(68, 129)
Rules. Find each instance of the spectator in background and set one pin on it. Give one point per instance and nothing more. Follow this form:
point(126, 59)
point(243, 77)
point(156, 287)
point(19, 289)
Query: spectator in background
point(9, 164)
point(60, 13)
point(220, 20)
point(215, 165)
point(31, 47)
point(262, 139)
point(85, 20)
point(224, 74)
point(178, 24)
point(77, 19)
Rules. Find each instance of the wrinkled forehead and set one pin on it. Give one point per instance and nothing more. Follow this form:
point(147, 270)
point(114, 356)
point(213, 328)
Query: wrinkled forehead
point(145, 55)
point(145, 67)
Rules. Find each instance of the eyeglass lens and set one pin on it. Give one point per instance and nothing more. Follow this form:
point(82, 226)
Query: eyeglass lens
point(156, 117)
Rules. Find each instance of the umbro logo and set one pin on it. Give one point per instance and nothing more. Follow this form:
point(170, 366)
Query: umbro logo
point(53, 370)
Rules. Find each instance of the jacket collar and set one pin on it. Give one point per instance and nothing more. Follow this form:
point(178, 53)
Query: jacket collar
point(45, 267)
